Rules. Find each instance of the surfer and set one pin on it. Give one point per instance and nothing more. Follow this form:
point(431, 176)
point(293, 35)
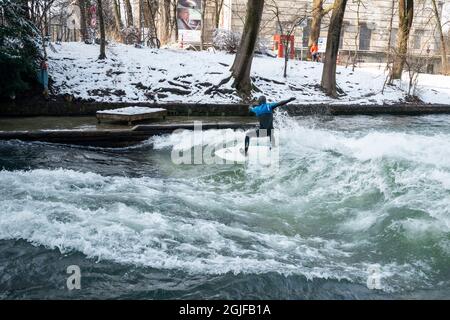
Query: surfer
point(264, 112)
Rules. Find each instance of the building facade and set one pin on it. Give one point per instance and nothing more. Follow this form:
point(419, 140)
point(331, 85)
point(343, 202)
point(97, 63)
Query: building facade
point(65, 22)
point(369, 28)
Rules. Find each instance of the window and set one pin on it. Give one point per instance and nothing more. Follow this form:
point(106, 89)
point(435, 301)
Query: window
point(417, 39)
point(365, 34)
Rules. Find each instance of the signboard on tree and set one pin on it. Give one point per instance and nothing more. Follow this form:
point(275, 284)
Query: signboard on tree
point(322, 45)
point(189, 20)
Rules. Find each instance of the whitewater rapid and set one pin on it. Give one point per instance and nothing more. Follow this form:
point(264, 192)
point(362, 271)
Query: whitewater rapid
point(347, 195)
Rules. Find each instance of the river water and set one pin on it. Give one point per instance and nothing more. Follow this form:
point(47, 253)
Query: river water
point(350, 195)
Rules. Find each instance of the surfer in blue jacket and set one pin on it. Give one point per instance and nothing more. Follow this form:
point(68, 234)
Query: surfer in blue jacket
point(264, 112)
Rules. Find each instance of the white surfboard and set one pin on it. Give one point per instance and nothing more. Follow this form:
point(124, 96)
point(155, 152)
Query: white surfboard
point(256, 154)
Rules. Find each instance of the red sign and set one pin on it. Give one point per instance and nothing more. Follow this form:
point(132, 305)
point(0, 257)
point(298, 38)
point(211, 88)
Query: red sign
point(93, 12)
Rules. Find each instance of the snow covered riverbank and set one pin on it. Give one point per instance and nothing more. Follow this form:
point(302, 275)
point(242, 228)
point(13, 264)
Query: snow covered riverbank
point(167, 75)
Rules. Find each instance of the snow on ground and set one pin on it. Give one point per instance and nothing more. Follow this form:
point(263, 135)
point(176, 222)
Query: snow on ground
point(129, 111)
point(434, 88)
point(169, 75)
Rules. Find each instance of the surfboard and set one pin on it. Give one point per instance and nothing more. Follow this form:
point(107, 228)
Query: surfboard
point(259, 154)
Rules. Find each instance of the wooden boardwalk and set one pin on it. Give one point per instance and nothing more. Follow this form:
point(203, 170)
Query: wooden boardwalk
point(131, 114)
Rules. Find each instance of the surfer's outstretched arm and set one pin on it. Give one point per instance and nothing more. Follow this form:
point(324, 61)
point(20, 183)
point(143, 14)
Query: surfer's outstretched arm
point(282, 103)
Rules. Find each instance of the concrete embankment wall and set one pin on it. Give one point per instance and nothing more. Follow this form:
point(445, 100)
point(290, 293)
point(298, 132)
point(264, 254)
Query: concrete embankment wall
point(65, 108)
point(126, 137)
point(111, 138)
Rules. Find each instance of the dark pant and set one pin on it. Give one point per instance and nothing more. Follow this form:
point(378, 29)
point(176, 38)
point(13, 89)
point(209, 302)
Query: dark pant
point(315, 57)
point(259, 133)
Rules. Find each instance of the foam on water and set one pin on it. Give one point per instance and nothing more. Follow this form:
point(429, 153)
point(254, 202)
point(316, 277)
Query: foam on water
point(338, 203)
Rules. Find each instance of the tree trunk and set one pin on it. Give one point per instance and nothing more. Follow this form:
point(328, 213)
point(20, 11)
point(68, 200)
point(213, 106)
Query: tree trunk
point(442, 39)
point(83, 20)
point(357, 36)
point(240, 70)
point(334, 34)
point(406, 13)
point(46, 20)
point(152, 16)
point(391, 23)
point(117, 16)
point(389, 45)
point(129, 11)
point(174, 25)
point(317, 15)
point(318, 12)
point(218, 4)
point(202, 34)
point(102, 30)
point(286, 57)
point(164, 21)
point(140, 21)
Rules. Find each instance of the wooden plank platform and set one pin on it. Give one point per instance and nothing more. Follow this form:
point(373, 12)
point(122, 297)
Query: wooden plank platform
point(131, 114)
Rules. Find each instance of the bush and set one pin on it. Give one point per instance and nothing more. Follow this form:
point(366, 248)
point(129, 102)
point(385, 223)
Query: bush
point(16, 75)
point(225, 40)
point(18, 50)
point(130, 35)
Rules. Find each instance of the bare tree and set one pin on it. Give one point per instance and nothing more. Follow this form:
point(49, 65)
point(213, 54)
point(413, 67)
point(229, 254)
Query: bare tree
point(140, 20)
point(173, 23)
point(414, 65)
point(38, 11)
point(129, 11)
point(117, 16)
point(318, 12)
point(406, 14)
point(152, 7)
point(286, 28)
point(358, 33)
point(102, 30)
point(240, 71)
point(83, 20)
point(164, 20)
point(441, 38)
point(389, 55)
point(334, 33)
point(218, 4)
point(203, 14)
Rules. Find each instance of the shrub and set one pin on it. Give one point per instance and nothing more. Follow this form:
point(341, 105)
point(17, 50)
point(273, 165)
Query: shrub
point(228, 41)
point(18, 49)
point(225, 40)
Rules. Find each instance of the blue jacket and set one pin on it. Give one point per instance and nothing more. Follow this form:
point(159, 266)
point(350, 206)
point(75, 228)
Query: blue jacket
point(264, 108)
